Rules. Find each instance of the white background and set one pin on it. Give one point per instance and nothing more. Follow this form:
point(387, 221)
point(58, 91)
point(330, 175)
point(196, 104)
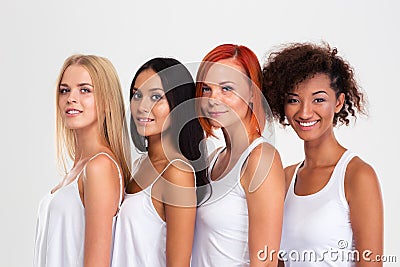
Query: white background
point(36, 37)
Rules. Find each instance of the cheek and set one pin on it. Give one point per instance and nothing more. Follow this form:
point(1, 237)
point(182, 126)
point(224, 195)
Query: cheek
point(328, 110)
point(133, 107)
point(237, 104)
point(203, 104)
point(61, 100)
point(289, 111)
point(161, 111)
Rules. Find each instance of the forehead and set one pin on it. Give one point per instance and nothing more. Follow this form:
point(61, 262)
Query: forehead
point(317, 82)
point(76, 74)
point(225, 70)
point(148, 79)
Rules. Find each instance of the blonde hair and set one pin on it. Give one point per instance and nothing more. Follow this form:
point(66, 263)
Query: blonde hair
point(110, 112)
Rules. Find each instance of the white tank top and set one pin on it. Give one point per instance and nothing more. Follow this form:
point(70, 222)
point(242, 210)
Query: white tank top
point(140, 233)
point(221, 233)
point(60, 227)
point(316, 228)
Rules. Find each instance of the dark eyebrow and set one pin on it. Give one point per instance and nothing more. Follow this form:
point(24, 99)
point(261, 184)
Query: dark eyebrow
point(156, 89)
point(292, 94)
point(319, 92)
point(315, 93)
point(151, 89)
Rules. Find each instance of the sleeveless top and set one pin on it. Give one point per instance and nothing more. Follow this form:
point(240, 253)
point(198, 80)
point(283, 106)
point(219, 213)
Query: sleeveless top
point(221, 232)
point(60, 227)
point(140, 233)
point(316, 228)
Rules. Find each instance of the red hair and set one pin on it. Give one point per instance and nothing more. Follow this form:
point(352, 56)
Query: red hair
point(246, 59)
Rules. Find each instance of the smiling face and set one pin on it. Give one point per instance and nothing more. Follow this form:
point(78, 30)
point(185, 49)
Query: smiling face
point(226, 94)
point(311, 106)
point(149, 105)
point(76, 100)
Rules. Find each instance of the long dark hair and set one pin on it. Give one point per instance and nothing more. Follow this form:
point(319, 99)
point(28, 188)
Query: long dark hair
point(188, 136)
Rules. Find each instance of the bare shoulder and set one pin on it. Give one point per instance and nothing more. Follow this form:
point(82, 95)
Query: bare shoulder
point(360, 177)
point(179, 172)
point(359, 172)
point(263, 153)
point(357, 165)
point(101, 166)
point(263, 164)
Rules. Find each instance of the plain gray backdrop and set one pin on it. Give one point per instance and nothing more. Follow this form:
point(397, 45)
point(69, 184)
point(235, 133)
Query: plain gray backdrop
point(36, 37)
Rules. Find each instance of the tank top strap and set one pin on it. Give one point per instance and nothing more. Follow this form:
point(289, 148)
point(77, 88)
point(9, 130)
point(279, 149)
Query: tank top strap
point(136, 164)
point(290, 190)
point(214, 159)
point(248, 150)
point(119, 173)
point(166, 167)
point(344, 160)
point(339, 174)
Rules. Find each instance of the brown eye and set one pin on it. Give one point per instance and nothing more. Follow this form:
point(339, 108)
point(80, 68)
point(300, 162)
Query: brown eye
point(63, 90)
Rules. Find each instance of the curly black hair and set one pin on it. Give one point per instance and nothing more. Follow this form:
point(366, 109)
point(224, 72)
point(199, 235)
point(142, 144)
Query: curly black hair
point(296, 62)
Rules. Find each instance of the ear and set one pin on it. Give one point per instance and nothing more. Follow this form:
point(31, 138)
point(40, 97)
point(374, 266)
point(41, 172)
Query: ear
point(339, 102)
point(252, 91)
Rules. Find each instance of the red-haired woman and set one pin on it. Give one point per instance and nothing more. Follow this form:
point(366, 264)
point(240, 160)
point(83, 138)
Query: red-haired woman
point(242, 215)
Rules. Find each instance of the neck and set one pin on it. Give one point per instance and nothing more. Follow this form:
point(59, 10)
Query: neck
point(238, 137)
point(158, 147)
point(88, 142)
point(323, 151)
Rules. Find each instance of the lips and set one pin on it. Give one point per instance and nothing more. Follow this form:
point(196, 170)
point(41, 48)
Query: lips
point(307, 125)
point(144, 121)
point(215, 114)
point(73, 112)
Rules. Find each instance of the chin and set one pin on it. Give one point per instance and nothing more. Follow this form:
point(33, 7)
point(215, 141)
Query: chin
point(215, 123)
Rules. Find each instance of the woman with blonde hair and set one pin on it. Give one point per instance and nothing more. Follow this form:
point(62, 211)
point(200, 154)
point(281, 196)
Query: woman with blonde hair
point(76, 218)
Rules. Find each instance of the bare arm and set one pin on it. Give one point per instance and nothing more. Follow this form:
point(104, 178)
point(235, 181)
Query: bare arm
point(101, 196)
point(366, 211)
point(180, 214)
point(264, 183)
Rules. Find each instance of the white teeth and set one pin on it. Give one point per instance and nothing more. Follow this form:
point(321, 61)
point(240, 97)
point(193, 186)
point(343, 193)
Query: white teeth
point(308, 124)
point(144, 120)
point(73, 111)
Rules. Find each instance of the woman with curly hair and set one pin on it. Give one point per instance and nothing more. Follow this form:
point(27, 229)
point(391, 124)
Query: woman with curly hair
point(333, 206)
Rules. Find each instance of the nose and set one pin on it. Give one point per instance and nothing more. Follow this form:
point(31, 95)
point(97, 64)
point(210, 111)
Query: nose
point(73, 96)
point(214, 98)
point(144, 106)
point(306, 111)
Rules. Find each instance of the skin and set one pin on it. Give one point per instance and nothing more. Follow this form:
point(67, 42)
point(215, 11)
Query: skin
point(149, 105)
point(226, 95)
point(99, 187)
point(149, 101)
point(314, 100)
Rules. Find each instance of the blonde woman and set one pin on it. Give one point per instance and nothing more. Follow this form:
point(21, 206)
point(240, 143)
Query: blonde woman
point(76, 218)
